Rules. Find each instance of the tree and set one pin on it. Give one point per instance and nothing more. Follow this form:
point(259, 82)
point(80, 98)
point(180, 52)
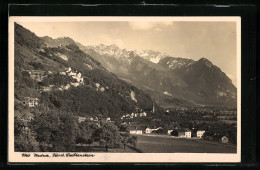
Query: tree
point(80, 140)
point(58, 129)
point(86, 130)
point(89, 142)
point(24, 138)
point(134, 140)
point(124, 142)
point(108, 135)
point(174, 133)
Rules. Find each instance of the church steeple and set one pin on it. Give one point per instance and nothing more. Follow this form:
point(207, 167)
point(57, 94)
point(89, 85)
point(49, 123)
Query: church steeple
point(153, 108)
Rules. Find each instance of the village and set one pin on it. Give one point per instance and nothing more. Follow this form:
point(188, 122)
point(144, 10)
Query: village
point(134, 128)
point(129, 119)
point(40, 75)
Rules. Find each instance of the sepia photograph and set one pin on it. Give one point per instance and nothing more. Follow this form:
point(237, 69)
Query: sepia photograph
point(124, 89)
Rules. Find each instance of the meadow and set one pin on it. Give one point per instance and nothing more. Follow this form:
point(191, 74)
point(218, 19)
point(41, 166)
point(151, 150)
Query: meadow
point(151, 144)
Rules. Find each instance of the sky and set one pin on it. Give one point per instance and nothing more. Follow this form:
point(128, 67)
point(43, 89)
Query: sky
point(215, 41)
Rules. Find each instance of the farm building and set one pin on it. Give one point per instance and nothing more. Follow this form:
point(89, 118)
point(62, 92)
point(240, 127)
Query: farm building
point(169, 132)
point(184, 133)
point(188, 134)
point(173, 127)
point(138, 130)
point(224, 139)
point(200, 133)
point(148, 130)
point(135, 130)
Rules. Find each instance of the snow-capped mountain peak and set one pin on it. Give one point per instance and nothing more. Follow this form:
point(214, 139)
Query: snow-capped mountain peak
point(150, 55)
point(115, 51)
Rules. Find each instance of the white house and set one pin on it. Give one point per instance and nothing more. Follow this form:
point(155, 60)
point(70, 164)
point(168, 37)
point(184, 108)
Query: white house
point(67, 86)
point(188, 134)
point(31, 102)
point(200, 133)
point(46, 88)
point(75, 84)
point(68, 70)
point(72, 74)
point(136, 132)
point(79, 75)
point(148, 130)
point(81, 119)
point(97, 84)
point(63, 73)
point(224, 139)
point(169, 132)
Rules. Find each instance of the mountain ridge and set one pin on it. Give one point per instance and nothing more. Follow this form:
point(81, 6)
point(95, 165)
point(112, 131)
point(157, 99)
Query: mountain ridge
point(165, 74)
point(64, 77)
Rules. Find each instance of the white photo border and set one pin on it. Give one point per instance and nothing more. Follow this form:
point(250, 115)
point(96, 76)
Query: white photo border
point(16, 157)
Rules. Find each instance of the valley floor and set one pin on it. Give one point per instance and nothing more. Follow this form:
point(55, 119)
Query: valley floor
point(162, 144)
point(86, 148)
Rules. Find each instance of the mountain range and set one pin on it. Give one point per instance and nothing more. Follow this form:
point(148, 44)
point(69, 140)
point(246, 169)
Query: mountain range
point(64, 77)
point(170, 81)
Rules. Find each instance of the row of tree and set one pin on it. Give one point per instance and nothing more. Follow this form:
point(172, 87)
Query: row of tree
point(56, 131)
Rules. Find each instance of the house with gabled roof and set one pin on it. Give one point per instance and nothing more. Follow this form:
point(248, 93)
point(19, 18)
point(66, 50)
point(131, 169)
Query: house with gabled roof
point(200, 133)
point(135, 130)
point(184, 133)
point(31, 102)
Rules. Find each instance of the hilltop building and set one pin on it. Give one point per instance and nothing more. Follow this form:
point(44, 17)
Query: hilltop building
point(31, 102)
point(37, 75)
point(81, 119)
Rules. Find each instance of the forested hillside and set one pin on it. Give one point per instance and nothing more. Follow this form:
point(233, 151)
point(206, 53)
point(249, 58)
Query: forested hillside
point(54, 86)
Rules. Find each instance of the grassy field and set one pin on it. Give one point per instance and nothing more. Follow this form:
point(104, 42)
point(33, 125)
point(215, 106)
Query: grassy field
point(150, 144)
point(102, 149)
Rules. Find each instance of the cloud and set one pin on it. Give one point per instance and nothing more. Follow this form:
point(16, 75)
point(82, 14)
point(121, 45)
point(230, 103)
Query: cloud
point(145, 25)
